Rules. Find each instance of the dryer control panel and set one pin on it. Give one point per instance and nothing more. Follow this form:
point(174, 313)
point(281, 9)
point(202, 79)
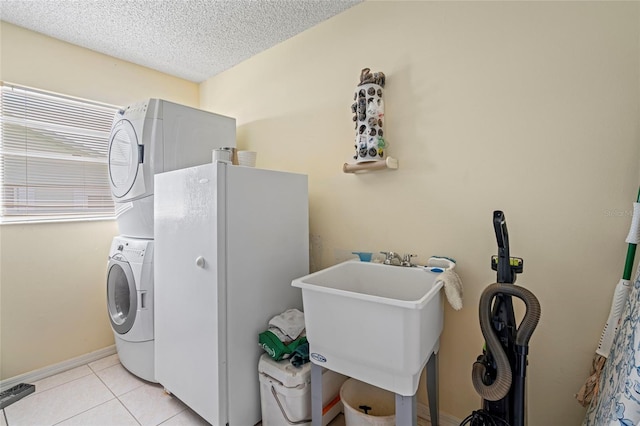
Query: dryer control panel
point(138, 251)
point(134, 111)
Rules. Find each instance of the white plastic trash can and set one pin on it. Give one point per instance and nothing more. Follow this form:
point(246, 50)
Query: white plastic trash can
point(359, 397)
point(285, 393)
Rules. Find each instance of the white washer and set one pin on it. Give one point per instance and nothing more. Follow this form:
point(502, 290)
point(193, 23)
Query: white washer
point(156, 136)
point(130, 304)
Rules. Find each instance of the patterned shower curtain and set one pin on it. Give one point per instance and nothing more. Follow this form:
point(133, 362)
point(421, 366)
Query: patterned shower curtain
point(618, 400)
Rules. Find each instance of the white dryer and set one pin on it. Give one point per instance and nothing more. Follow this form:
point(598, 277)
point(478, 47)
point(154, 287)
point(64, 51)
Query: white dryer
point(130, 304)
point(156, 136)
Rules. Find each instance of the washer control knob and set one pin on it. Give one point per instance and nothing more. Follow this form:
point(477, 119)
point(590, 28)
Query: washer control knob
point(200, 262)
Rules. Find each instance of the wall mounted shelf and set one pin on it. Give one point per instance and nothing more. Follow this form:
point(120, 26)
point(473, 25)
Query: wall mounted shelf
point(388, 163)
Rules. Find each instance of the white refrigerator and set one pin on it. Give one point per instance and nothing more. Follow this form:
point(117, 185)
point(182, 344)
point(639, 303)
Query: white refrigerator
point(228, 242)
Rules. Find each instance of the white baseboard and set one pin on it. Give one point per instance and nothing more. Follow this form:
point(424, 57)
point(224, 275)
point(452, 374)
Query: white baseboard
point(445, 419)
point(35, 375)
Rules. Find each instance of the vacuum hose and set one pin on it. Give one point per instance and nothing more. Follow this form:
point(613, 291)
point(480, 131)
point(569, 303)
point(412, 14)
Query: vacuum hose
point(501, 385)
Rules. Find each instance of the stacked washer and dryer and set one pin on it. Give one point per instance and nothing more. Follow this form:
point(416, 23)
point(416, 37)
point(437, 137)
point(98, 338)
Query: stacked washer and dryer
point(153, 136)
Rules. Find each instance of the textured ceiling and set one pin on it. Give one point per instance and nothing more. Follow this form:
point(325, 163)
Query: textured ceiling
point(191, 39)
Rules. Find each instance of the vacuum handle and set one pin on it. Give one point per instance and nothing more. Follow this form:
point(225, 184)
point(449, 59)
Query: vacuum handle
point(505, 273)
point(500, 226)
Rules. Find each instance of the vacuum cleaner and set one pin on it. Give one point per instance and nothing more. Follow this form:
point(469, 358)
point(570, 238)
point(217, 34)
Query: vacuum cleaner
point(498, 374)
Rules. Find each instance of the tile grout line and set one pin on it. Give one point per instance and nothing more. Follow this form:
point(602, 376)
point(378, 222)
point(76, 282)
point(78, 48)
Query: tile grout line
point(91, 372)
point(129, 391)
point(186, 407)
point(90, 408)
point(103, 368)
point(63, 383)
point(175, 415)
point(163, 421)
point(105, 385)
point(94, 372)
point(126, 408)
point(50, 389)
point(117, 397)
point(82, 412)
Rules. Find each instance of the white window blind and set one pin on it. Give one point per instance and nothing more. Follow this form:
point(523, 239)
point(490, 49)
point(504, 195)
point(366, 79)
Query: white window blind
point(53, 156)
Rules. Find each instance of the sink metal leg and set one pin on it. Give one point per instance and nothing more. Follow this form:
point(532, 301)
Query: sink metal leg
point(406, 410)
point(432, 388)
point(316, 395)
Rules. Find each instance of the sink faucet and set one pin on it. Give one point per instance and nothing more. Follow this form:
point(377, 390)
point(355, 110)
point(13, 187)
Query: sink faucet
point(406, 261)
point(392, 258)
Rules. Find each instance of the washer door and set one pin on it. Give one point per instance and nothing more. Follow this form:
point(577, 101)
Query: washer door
point(122, 298)
point(124, 156)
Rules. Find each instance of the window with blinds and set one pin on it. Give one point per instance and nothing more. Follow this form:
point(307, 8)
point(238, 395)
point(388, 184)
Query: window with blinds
point(53, 157)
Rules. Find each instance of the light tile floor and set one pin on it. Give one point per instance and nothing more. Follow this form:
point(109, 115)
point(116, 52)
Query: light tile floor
point(101, 393)
point(104, 393)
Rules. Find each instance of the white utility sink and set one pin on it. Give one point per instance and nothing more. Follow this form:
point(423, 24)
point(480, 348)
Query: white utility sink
point(377, 323)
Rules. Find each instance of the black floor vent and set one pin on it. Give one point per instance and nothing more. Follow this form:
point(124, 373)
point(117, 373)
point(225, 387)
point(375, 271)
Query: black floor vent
point(15, 394)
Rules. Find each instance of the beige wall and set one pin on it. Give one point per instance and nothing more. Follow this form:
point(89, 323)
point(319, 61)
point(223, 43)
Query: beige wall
point(52, 276)
point(527, 107)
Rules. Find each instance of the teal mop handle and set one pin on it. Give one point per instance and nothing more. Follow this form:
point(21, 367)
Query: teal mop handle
point(628, 264)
